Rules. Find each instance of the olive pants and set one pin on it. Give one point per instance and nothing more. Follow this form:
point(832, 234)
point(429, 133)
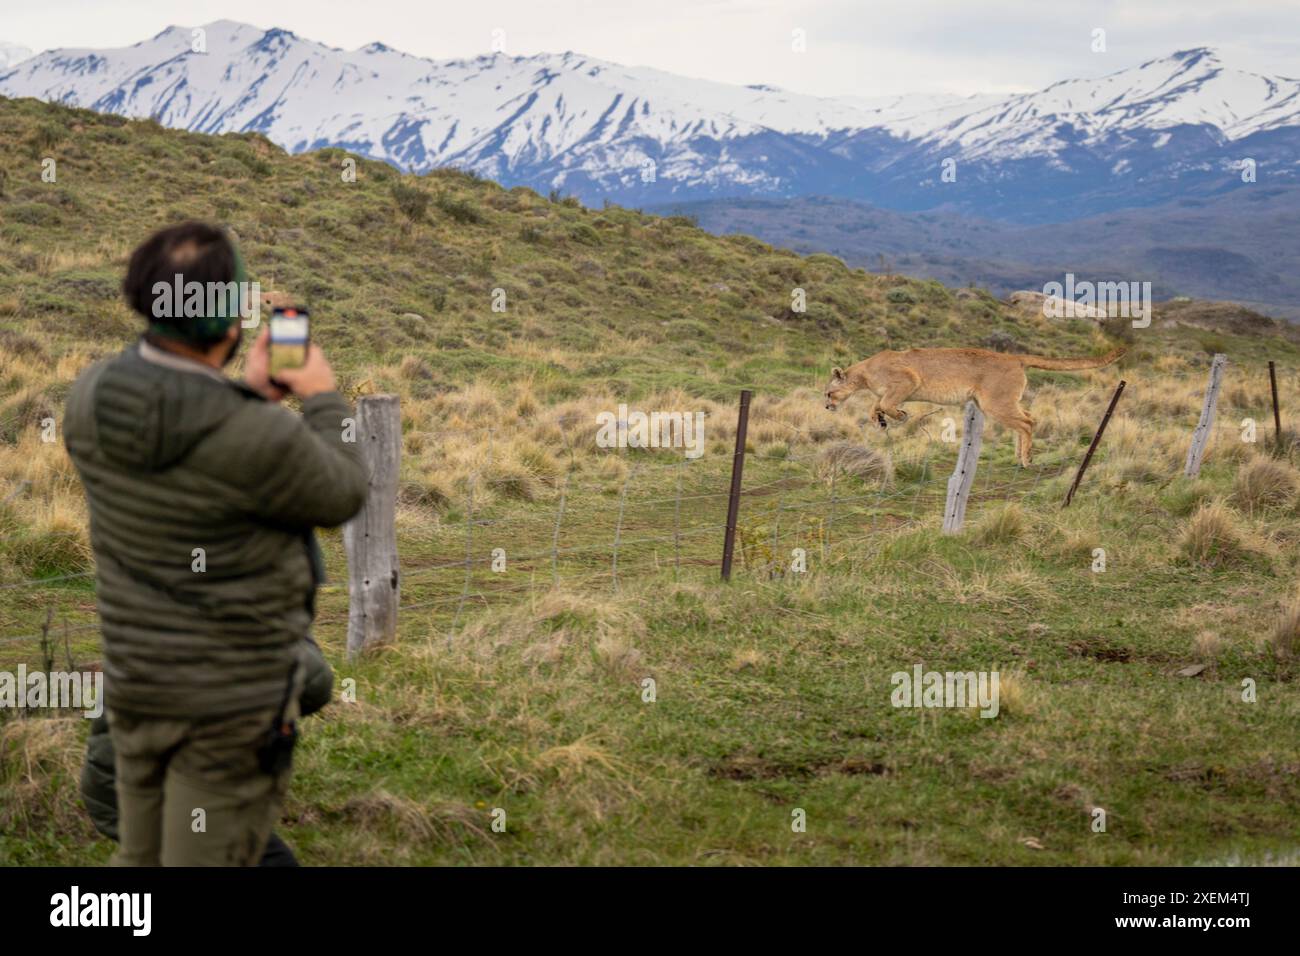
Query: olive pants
point(99, 771)
point(192, 792)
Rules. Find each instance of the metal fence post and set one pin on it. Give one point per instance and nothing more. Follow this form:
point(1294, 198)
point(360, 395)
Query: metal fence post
point(737, 471)
point(1096, 440)
point(1277, 415)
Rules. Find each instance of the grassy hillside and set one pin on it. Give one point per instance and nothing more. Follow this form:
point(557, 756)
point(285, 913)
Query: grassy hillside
point(525, 689)
point(1237, 245)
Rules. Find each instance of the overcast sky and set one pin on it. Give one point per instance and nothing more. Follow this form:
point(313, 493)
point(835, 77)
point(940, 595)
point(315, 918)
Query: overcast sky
point(858, 47)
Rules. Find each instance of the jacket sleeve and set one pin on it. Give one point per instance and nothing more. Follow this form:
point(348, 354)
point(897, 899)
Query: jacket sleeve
point(303, 473)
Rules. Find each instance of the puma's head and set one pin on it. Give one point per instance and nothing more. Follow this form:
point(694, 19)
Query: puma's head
point(839, 389)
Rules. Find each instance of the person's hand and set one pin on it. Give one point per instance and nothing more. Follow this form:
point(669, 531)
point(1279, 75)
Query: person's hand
point(257, 365)
point(312, 378)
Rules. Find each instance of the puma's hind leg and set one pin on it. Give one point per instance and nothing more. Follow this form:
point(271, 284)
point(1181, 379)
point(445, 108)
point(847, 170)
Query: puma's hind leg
point(1015, 419)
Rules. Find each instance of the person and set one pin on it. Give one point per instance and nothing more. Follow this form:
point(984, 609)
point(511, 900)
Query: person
point(98, 782)
point(203, 495)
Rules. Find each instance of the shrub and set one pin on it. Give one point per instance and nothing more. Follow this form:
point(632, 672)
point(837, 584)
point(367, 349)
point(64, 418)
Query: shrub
point(1000, 341)
point(1212, 344)
point(459, 210)
point(44, 138)
point(35, 214)
point(1118, 328)
point(412, 201)
point(585, 234)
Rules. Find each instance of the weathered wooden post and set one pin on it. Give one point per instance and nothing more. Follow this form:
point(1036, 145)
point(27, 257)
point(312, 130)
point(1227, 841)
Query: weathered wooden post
point(963, 475)
point(1201, 436)
point(370, 538)
point(737, 473)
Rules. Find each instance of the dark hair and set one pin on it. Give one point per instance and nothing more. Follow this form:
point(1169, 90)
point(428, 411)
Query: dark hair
point(197, 252)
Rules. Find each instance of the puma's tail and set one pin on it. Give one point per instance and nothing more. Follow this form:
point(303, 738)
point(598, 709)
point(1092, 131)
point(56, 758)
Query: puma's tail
point(1069, 364)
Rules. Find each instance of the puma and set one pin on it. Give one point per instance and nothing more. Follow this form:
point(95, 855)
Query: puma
point(993, 380)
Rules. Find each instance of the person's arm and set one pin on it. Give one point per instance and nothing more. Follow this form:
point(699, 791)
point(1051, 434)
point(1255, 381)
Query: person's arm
point(302, 471)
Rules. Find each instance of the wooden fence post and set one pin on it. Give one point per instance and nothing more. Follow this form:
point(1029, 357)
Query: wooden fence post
point(555, 539)
point(1096, 440)
point(370, 538)
point(737, 471)
point(618, 528)
point(963, 475)
point(1201, 436)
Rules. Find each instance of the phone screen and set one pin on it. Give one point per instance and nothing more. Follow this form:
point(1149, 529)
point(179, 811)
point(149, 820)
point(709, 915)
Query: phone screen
point(289, 336)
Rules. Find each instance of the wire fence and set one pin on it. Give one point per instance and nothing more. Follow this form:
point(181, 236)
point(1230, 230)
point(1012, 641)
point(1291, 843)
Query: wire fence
point(662, 513)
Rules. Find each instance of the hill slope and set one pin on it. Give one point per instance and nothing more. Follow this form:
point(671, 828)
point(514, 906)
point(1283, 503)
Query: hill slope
point(525, 689)
point(1238, 245)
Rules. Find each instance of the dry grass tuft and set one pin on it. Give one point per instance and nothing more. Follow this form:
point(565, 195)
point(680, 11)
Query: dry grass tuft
point(559, 619)
point(1213, 536)
point(1206, 645)
point(1015, 697)
point(1264, 483)
point(40, 762)
point(1001, 524)
point(1286, 631)
point(857, 461)
point(414, 820)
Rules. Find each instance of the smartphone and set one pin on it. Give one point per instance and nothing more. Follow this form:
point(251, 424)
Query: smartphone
point(290, 333)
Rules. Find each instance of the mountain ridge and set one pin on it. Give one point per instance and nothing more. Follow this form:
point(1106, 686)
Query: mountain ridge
point(636, 135)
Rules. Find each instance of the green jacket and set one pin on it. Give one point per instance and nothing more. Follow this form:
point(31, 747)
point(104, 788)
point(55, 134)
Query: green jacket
point(202, 500)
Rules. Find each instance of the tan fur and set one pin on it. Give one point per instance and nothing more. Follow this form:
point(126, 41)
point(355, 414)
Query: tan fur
point(993, 380)
point(277, 300)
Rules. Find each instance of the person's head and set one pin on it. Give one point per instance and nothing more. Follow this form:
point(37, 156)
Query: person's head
point(186, 282)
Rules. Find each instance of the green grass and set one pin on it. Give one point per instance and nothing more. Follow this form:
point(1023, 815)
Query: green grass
point(772, 693)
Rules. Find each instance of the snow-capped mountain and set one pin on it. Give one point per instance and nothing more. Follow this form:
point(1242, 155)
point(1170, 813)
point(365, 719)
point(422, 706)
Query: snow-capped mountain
point(11, 54)
point(639, 135)
point(1189, 88)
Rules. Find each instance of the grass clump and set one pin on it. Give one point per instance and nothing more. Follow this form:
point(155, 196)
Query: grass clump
point(1213, 536)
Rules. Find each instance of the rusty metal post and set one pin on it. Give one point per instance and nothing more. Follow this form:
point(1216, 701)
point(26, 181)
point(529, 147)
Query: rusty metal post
point(1096, 440)
point(737, 471)
point(1277, 415)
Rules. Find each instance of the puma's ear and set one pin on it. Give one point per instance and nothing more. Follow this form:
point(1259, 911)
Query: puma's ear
point(837, 374)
